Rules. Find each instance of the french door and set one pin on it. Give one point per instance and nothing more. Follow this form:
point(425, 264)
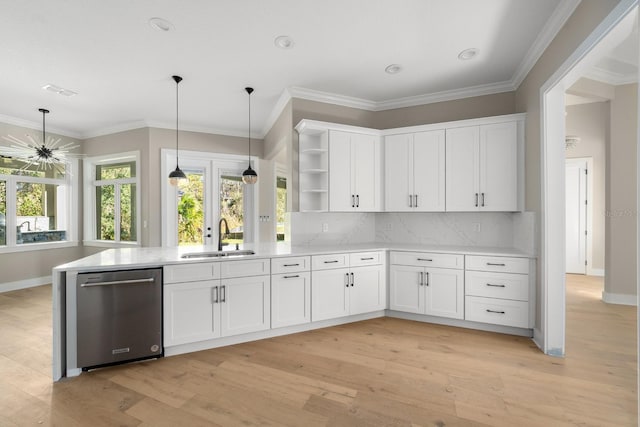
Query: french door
point(213, 191)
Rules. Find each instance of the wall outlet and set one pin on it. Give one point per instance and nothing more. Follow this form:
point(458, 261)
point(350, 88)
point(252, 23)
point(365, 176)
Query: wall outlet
point(325, 227)
point(388, 226)
point(476, 227)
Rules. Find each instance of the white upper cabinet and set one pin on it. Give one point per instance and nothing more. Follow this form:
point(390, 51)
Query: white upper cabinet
point(354, 172)
point(415, 172)
point(483, 168)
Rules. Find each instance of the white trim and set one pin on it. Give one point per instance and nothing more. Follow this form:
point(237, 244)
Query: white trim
point(24, 284)
point(552, 276)
point(550, 30)
point(599, 272)
point(332, 98)
point(609, 77)
point(276, 111)
point(26, 247)
point(15, 121)
point(622, 299)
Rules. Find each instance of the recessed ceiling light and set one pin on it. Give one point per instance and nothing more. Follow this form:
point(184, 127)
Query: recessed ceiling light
point(284, 42)
point(468, 54)
point(393, 69)
point(59, 90)
point(160, 24)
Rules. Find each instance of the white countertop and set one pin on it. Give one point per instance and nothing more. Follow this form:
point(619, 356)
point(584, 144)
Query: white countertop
point(159, 256)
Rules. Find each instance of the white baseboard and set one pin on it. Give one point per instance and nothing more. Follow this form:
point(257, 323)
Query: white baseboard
point(623, 299)
point(595, 272)
point(538, 339)
point(23, 284)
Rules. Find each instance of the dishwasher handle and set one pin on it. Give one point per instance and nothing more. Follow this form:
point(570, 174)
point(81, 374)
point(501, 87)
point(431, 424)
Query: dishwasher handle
point(118, 282)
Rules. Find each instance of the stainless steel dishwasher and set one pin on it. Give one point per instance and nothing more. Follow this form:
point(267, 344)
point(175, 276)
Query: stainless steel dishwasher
point(119, 317)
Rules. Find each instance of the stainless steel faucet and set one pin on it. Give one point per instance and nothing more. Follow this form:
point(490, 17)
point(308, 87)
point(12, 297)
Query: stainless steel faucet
point(28, 226)
point(226, 227)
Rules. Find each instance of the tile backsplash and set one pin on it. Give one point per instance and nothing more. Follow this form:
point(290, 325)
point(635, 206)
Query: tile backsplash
point(516, 230)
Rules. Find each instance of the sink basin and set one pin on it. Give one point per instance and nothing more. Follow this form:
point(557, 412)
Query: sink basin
point(217, 254)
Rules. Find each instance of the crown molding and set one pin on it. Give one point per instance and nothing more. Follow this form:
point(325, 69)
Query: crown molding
point(610, 77)
point(550, 30)
point(110, 130)
point(276, 111)
point(38, 126)
point(332, 98)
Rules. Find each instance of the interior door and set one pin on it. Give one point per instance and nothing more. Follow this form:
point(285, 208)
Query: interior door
point(576, 215)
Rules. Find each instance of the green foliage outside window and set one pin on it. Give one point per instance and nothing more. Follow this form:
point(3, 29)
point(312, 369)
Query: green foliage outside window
point(105, 200)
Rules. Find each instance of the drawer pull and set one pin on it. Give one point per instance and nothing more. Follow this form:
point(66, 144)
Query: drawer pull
point(366, 259)
point(331, 262)
point(494, 311)
point(291, 265)
point(496, 264)
point(425, 259)
point(495, 286)
point(291, 277)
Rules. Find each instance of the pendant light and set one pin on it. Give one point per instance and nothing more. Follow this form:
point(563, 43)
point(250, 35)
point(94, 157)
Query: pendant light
point(249, 176)
point(177, 175)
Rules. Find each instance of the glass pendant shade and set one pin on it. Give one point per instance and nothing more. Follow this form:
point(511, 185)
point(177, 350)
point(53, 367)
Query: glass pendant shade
point(177, 175)
point(249, 176)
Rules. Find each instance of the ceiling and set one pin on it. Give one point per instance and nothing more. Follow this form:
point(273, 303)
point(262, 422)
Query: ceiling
point(121, 67)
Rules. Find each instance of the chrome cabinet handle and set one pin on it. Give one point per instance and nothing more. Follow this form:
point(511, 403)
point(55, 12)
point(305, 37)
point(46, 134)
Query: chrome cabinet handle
point(118, 282)
point(496, 264)
point(352, 280)
point(410, 200)
point(223, 293)
point(416, 200)
point(476, 200)
point(495, 286)
point(427, 281)
point(291, 277)
point(214, 294)
point(483, 200)
point(346, 281)
point(494, 311)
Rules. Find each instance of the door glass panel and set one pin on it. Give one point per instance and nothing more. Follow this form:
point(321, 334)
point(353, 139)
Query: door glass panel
point(3, 213)
point(38, 209)
point(128, 214)
point(105, 212)
point(191, 209)
point(231, 207)
point(281, 206)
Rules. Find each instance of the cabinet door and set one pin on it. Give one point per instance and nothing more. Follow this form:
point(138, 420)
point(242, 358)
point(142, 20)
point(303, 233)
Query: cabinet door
point(341, 196)
point(190, 312)
point(329, 294)
point(245, 305)
point(405, 290)
point(365, 172)
point(398, 176)
point(462, 187)
point(429, 171)
point(290, 299)
point(444, 295)
point(367, 290)
point(499, 167)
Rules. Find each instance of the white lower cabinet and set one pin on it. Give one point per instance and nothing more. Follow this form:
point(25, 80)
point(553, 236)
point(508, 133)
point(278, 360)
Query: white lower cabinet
point(290, 299)
point(206, 309)
point(427, 290)
point(338, 292)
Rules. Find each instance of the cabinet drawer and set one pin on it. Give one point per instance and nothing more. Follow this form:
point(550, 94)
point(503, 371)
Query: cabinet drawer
point(191, 272)
point(497, 311)
point(244, 268)
point(498, 263)
point(428, 259)
point(497, 285)
point(365, 258)
point(326, 262)
point(284, 265)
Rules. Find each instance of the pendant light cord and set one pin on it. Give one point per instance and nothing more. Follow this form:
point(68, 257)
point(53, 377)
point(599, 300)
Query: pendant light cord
point(250, 128)
point(177, 84)
point(44, 111)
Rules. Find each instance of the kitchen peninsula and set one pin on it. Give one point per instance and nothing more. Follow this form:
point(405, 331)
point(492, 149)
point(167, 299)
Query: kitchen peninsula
point(210, 302)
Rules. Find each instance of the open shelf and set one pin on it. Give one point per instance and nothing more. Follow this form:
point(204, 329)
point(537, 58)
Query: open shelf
point(314, 170)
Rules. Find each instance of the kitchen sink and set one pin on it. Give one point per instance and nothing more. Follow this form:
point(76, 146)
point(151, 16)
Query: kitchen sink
point(217, 254)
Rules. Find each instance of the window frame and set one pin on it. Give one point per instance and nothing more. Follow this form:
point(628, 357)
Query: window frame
point(91, 185)
point(70, 181)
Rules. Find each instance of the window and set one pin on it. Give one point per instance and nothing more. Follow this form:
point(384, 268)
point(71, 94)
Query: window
point(111, 199)
point(35, 206)
point(281, 206)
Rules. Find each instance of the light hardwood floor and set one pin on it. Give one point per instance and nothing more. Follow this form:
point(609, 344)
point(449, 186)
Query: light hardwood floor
point(378, 372)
